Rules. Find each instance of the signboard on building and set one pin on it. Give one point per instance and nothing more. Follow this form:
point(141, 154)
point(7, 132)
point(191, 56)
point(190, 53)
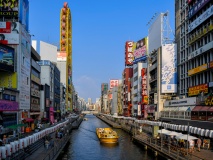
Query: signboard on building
point(141, 49)
point(204, 16)
point(9, 32)
point(113, 83)
point(196, 7)
point(144, 85)
point(181, 102)
point(6, 58)
point(61, 56)
point(195, 90)
point(169, 68)
point(198, 69)
point(9, 9)
point(129, 57)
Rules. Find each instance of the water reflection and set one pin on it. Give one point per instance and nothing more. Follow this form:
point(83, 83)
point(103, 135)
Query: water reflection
point(86, 146)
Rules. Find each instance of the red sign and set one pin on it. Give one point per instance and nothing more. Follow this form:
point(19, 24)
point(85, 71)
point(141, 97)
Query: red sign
point(144, 85)
point(129, 57)
point(5, 27)
point(195, 90)
point(113, 83)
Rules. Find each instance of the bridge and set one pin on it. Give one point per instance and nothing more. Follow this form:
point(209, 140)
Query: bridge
point(89, 112)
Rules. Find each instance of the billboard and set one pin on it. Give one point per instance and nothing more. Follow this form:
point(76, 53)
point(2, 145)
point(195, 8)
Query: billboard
point(9, 9)
point(196, 7)
point(25, 65)
point(198, 69)
point(61, 56)
point(9, 32)
point(24, 13)
point(141, 49)
point(129, 57)
point(169, 68)
point(6, 58)
point(155, 34)
point(113, 83)
point(195, 90)
point(8, 79)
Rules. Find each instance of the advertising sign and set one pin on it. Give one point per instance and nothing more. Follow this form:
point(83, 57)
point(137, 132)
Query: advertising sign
point(8, 79)
point(169, 68)
point(198, 69)
point(61, 56)
point(155, 33)
point(139, 110)
point(6, 58)
point(113, 83)
point(141, 49)
point(196, 7)
point(129, 57)
point(9, 9)
point(8, 105)
point(9, 32)
point(25, 65)
point(144, 85)
point(24, 13)
point(195, 90)
point(205, 15)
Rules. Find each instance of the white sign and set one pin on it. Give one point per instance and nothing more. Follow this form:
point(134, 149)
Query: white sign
point(208, 13)
point(181, 102)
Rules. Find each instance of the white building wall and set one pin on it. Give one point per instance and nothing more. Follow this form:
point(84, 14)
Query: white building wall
point(62, 67)
point(48, 51)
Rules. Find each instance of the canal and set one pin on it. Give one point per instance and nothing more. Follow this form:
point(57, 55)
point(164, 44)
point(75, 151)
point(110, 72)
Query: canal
point(86, 146)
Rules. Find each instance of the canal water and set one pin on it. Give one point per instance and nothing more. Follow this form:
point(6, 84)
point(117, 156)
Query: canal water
point(84, 145)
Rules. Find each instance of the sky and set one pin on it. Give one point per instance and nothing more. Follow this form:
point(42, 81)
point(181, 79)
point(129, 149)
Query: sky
point(100, 29)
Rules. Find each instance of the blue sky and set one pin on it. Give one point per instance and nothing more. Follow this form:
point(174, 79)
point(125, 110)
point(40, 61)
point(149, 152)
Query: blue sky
point(100, 29)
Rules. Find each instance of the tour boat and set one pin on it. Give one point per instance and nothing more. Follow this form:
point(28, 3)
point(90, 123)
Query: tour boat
point(107, 135)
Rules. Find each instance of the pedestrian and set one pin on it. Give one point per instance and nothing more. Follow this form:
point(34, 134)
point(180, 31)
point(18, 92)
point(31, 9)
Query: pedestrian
point(199, 144)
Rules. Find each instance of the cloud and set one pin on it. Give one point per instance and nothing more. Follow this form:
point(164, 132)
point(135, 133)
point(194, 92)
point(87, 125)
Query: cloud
point(87, 87)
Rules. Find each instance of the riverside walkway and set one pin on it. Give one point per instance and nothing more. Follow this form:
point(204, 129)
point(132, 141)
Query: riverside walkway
point(53, 151)
point(162, 148)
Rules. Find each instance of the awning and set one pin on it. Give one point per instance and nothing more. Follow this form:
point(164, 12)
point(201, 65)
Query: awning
point(204, 108)
point(183, 109)
point(210, 109)
point(197, 108)
point(28, 120)
point(167, 109)
point(191, 108)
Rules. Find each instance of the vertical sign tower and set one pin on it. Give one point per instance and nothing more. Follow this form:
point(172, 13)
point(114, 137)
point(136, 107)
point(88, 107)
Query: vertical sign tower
point(66, 46)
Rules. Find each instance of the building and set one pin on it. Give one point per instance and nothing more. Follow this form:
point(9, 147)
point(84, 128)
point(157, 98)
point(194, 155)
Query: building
point(47, 78)
point(56, 93)
point(62, 99)
point(35, 109)
point(126, 92)
point(193, 23)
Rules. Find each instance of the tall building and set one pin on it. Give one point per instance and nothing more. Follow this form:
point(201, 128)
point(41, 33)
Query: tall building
point(89, 101)
point(66, 49)
point(126, 79)
point(193, 23)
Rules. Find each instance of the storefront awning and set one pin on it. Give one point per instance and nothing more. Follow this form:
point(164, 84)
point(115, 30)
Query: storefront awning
point(197, 108)
point(210, 109)
point(168, 109)
point(204, 108)
point(183, 109)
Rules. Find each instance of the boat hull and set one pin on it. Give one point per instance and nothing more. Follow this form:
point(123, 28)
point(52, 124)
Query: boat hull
point(107, 135)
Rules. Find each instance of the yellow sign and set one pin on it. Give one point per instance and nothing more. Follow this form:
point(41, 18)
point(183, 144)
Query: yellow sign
point(197, 69)
point(195, 90)
point(8, 80)
point(209, 101)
